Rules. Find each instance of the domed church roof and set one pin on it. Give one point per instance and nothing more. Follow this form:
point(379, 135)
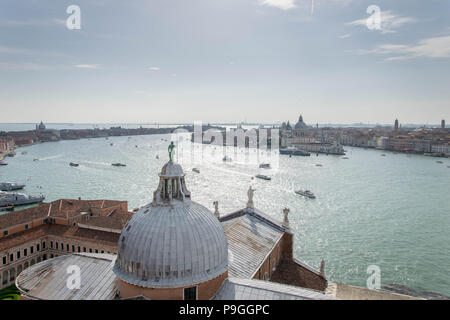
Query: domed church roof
point(300, 124)
point(172, 241)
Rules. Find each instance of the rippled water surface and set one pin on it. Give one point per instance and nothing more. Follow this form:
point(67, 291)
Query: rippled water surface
point(392, 211)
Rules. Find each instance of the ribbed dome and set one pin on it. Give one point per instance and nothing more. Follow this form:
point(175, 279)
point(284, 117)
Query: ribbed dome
point(172, 169)
point(173, 241)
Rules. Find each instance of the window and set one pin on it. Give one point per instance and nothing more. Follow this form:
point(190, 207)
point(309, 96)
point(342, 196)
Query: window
point(79, 249)
point(84, 249)
point(25, 252)
point(103, 251)
point(56, 245)
point(67, 247)
point(11, 257)
point(73, 248)
point(90, 250)
point(43, 245)
point(45, 221)
point(190, 293)
point(37, 247)
point(4, 260)
point(31, 249)
point(18, 254)
point(51, 244)
point(96, 251)
point(5, 233)
point(26, 227)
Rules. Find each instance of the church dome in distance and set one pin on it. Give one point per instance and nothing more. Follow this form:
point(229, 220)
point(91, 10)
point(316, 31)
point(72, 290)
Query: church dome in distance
point(300, 124)
point(173, 241)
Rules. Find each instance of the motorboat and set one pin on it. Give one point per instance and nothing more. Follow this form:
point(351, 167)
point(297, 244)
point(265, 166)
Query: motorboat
point(6, 186)
point(383, 155)
point(195, 170)
point(3, 163)
point(265, 165)
point(264, 177)
point(306, 193)
point(118, 164)
point(36, 159)
point(73, 164)
point(18, 199)
point(318, 165)
point(226, 159)
point(439, 161)
point(344, 157)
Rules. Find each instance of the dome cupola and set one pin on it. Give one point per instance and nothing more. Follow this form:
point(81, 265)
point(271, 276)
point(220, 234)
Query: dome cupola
point(171, 244)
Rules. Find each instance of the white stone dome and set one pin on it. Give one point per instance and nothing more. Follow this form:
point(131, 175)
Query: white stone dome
point(173, 241)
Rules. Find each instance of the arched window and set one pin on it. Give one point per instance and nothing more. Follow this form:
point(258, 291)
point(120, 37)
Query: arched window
point(12, 275)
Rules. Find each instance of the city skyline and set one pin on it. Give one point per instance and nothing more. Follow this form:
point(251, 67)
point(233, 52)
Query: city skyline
point(262, 60)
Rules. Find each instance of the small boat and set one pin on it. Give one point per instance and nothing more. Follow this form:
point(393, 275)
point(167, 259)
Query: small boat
point(36, 159)
point(293, 151)
point(306, 193)
point(17, 199)
point(135, 146)
point(118, 164)
point(383, 155)
point(439, 161)
point(226, 159)
point(344, 157)
point(6, 186)
point(23, 152)
point(73, 164)
point(264, 177)
point(195, 170)
point(265, 165)
point(8, 208)
point(157, 157)
point(111, 144)
point(3, 163)
point(318, 165)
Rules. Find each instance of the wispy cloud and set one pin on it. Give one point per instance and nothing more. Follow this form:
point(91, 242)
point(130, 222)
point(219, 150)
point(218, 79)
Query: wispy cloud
point(25, 66)
point(154, 68)
point(23, 51)
point(34, 23)
point(87, 66)
point(389, 21)
point(437, 47)
point(281, 4)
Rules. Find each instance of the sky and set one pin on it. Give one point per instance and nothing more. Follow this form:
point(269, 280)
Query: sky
point(268, 61)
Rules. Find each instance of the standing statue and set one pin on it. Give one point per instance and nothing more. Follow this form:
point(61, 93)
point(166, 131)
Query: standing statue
point(170, 149)
point(285, 217)
point(216, 208)
point(250, 193)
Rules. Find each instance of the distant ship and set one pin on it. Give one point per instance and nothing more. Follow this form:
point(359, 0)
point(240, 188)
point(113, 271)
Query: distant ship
point(17, 199)
point(293, 151)
point(195, 170)
point(73, 164)
point(118, 164)
point(265, 165)
point(226, 159)
point(264, 177)
point(306, 193)
point(3, 163)
point(6, 186)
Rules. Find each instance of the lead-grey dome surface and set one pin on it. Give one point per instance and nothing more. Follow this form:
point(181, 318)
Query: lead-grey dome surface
point(171, 245)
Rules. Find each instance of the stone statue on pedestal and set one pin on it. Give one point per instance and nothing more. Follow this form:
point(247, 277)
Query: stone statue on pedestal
point(216, 208)
point(250, 193)
point(285, 217)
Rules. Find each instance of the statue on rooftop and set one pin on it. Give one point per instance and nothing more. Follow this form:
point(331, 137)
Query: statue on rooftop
point(250, 193)
point(216, 208)
point(170, 149)
point(285, 217)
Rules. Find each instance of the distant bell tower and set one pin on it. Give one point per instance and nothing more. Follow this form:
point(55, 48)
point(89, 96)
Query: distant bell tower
point(396, 125)
point(443, 124)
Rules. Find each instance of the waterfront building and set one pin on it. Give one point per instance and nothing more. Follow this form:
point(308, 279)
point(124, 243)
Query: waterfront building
point(396, 125)
point(61, 227)
point(442, 124)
